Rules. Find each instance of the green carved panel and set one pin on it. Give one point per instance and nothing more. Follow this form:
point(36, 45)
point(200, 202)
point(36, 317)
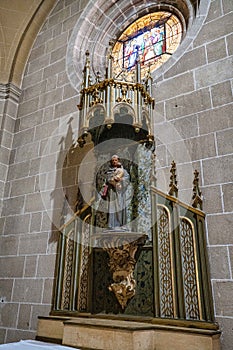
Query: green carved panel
point(105, 301)
point(142, 303)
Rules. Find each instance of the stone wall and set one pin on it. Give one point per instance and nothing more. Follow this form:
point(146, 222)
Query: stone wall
point(201, 113)
point(193, 124)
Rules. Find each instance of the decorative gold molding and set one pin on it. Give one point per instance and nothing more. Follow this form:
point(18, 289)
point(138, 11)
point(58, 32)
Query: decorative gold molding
point(177, 201)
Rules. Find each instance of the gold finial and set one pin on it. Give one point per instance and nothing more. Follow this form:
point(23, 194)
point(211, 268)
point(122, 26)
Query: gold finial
point(197, 195)
point(173, 182)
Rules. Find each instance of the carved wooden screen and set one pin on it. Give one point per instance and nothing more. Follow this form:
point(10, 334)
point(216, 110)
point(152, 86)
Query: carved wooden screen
point(171, 273)
point(181, 278)
point(189, 271)
point(64, 287)
point(85, 251)
point(68, 271)
point(165, 263)
point(71, 290)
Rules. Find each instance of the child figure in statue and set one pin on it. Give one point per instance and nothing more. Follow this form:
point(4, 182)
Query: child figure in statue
point(117, 181)
point(116, 176)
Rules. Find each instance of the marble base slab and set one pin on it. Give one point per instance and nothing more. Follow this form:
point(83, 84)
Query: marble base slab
point(33, 345)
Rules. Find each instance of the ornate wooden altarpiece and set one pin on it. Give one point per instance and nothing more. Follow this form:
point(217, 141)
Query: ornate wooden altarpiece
point(157, 268)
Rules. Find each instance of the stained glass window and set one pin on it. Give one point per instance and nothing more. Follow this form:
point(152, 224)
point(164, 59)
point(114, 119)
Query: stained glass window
point(151, 39)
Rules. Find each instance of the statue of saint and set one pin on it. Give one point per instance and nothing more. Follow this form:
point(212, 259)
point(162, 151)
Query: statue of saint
point(114, 191)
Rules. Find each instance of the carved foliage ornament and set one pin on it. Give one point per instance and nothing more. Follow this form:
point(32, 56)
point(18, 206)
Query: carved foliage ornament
point(121, 250)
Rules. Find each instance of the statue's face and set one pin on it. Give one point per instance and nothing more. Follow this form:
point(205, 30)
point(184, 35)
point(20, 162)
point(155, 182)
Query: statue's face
point(114, 161)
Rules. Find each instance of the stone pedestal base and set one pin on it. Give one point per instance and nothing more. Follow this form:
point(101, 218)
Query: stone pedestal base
point(106, 334)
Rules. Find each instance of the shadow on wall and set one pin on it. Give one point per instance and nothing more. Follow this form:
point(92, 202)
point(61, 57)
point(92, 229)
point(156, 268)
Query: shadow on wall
point(72, 187)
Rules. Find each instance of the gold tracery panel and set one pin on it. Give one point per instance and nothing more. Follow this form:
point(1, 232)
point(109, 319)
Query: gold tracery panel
point(68, 270)
point(84, 265)
point(165, 262)
point(189, 270)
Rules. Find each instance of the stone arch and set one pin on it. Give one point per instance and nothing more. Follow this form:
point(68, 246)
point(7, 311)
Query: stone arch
point(23, 44)
point(102, 22)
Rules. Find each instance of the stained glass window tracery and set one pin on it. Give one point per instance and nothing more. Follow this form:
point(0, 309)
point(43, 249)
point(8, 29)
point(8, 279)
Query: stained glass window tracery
point(151, 39)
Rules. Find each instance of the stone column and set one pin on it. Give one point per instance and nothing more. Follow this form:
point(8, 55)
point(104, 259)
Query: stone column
point(9, 99)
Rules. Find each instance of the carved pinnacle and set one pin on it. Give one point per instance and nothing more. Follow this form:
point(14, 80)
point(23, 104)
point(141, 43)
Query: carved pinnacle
point(173, 182)
point(197, 195)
